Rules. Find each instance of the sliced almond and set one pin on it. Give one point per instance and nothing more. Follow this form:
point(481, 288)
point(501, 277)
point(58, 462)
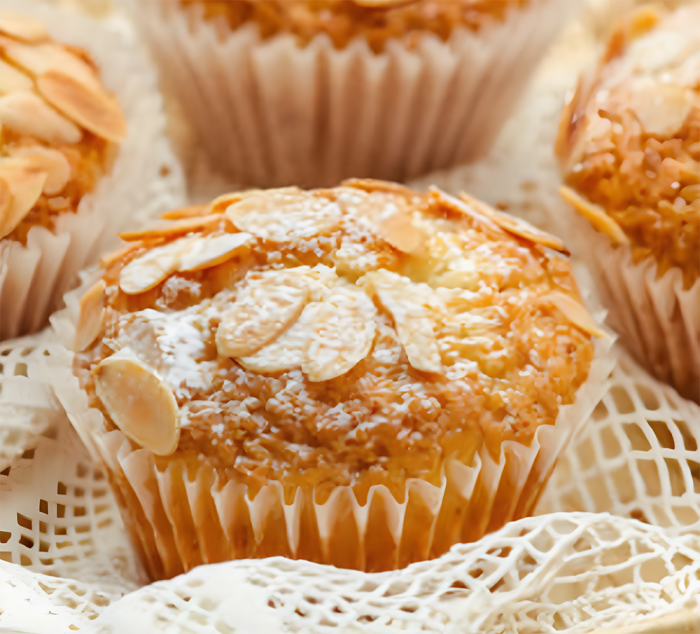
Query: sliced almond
point(461, 207)
point(22, 27)
point(28, 114)
point(661, 108)
point(174, 228)
point(393, 224)
point(43, 58)
point(12, 80)
point(150, 269)
point(92, 309)
point(25, 183)
point(267, 306)
point(410, 307)
point(106, 261)
point(53, 162)
point(139, 402)
point(373, 185)
point(212, 250)
point(288, 351)
point(575, 312)
point(342, 334)
point(516, 226)
point(283, 215)
point(88, 105)
point(193, 211)
point(595, 214)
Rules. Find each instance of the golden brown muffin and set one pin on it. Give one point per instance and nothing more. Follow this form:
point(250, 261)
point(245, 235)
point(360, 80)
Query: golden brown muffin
point(630, 142)
point(378, 21)
point(328, 340)
point(59, 131)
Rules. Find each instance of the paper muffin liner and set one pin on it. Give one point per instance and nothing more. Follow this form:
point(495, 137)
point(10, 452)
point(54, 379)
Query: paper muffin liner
point(271, 112)
point(145, 178)
point(657, 319)
point(181, 514)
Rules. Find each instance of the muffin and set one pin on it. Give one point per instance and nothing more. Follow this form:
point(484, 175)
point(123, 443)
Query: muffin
point(629, 144)
point(307, 92)
point(68, 175)
point(360, 376)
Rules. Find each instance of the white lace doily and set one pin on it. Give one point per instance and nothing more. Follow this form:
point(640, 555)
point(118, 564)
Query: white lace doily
point(65, 563)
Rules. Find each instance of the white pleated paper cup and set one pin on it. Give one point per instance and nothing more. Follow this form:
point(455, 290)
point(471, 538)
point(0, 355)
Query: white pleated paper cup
point(656, 316)
point(271, 112)
point(145, 178)
point(181, 512)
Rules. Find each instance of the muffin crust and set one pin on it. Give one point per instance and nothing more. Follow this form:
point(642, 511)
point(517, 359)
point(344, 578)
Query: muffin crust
point(629, 140)
point(374, 332)
point(378, 21)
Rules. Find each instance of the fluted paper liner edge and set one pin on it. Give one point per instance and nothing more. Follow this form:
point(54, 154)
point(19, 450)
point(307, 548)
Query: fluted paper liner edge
point(144, 180)
point(272, 112)
point(180, 517)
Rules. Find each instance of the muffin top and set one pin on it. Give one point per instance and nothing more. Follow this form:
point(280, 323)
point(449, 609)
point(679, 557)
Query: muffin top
point(349, 336)
point(629, 140)
point(59, 127)
point(378, 21)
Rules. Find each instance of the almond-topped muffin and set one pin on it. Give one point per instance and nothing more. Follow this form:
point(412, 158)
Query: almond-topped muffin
point(310, 357)
point(309, 92)
point(59, 131)
point(378, 21)
point(630, 148)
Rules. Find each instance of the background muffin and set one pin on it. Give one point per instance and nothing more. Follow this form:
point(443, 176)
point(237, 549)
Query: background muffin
point(630, 147)
point(312, 91)
point(64, 185)
point(360, 376)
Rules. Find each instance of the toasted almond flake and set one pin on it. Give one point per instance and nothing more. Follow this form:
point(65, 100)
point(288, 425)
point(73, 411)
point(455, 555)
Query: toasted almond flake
point(174, 228)
point(284, 215)
point(139, 402)
point(88, 105)
point(575, 312)
point(53, 162)
point(516, 226)
point(12, 80)
point(394, 225)
point(595, 214)
point(151, 268)
point(21, 27)
point(463, 208)
point(267, 306)
point(288, 351)
point(193, 211)
point(106, 261)
point(28, 114)
point(92, 309)
point(212, 250)
point(43, 58)
point(25, 183)
point(373, 185)
point(410, 307)
point(342, 334)
point(661, 108)
point(382, 4)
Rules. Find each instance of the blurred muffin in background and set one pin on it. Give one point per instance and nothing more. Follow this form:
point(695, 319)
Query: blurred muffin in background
point(308, 92)
point(60, 134)
point(360, 376)
point(629, 145)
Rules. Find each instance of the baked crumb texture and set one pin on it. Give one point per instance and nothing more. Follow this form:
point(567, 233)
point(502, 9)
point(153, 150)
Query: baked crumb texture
point(629, 141)
point(313, 356)
point(377, 21)
point(59, 128)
